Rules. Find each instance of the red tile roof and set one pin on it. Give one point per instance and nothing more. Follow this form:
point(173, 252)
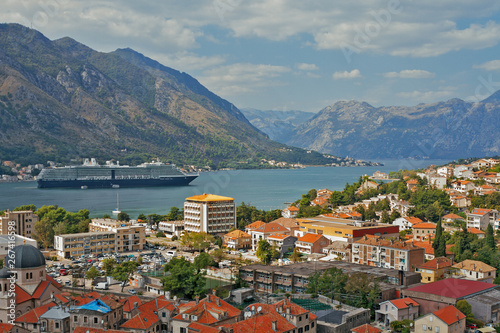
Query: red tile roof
point(449, 314)
point(40, 289)
point(434, 264)
point(278, 236)
point(310, 238)
point(453, 217)
point(453, 288)
point(365, 328)
point(475, 231)
point(197, 327)
point(271, 227)
point(237, 234)
point(4, 327)
point(21, 295)
point(413, 219)
point(33, 315)
point(262, 323)
point(404, 303)
point(81, 329)
point(480, 211)
point(61, 298)
point(87, 298)
point(425, 225)
point(292, 209)
point(129, 303)
point(207, 309)
point(255, 225)
point(148, 314)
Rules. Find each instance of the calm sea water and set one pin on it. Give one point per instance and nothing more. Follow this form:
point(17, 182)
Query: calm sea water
point(265, 189)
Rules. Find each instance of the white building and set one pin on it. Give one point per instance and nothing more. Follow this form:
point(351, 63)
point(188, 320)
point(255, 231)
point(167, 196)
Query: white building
point(171, 228)
point(18, 240)
point(210, 213)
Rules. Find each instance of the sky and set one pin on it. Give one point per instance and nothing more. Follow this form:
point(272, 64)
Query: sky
point(295, 54)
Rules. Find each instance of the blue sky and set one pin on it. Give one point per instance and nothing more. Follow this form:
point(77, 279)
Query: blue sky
point(295, 54)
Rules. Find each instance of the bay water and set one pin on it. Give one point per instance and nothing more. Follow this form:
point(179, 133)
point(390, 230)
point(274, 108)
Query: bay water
point(265, 189)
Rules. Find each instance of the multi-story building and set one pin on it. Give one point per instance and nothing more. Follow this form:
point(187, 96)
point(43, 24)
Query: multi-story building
point(379, 252)
point(129, 237)
point(445, 320)
point(284, 243)
point(210, 213)
point(396, 310)
point(171, 228)
point(424, 230)
point(76, 245)
point(336, 229)
point(290, 212)
point(105, 312)
point(265, 231)
point(475, 270)
point(480, 217)
point(237, 239)
point(435, 269)
point(312, 243)
point(21, 222)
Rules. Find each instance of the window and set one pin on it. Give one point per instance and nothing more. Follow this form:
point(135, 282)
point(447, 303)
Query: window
point(57, 324)
point(436, 329)
point(424, 327)
point(96, 320)
point(312, 324)
point(431, 318)
point(85, 319)
point(306, 328)
point(300, 318)
point(75, 319)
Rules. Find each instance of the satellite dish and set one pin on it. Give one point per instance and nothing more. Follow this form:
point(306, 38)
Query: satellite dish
point(259, 308)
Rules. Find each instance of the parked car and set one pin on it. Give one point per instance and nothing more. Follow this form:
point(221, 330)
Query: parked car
point(132, 291)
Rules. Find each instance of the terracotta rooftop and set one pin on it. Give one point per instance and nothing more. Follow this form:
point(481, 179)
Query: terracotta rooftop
point(33, 315)
point(475, 266)
point(434, 264)
point(449, 314)
point(475, 231)
point(287, 222)
point(425, 225)
point(453, 288)
point(255, 225)
point(453, 217)
point(309, 238)
point(480, 211)
point(237, 234)
point(403, 303)
point(271, 227)
point(209, 197)
point(365, 328)
point(292, 209)
point(413, 219)
point(378, 241)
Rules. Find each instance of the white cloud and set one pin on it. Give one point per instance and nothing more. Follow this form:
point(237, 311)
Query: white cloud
point(188, 61)
point(242, 78)
point(306, 67)
point(428, 96)
point(410, 74)
point(493, 65)
point(354, 74)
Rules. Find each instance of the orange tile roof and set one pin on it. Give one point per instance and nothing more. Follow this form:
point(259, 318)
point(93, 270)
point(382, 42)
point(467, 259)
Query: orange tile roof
point(287, 222)
point(82, 329)
point(365, 328)
point(412, 182)
point(480, 211)
point(357, 214)
point(453, 217)
point(292, 209)
point(21, 295)
point(148, 314)
point(441, 262)
point(128, 303)
point(197, 327)
point(255, 225)
point(404, 303)
point(209, 197)
point(87, 298)
point(271, 227)
point(449, 314)
point(425, 225)
point(262, 323)
point(4, 327)
point(54, 282)
point(428, 247)
point(61, 298)
point(309, 238)
point(343, 215)
point(378, 241)
point(278, 236)
point(475, 231)
point(33, 315)
point(207, 309)
point(413, 219)
point(237, 234)
point(40, 289)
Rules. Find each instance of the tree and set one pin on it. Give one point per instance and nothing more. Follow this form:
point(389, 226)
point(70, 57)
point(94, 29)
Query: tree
point(108, 266)
point(60, 229)
point(490, 238)
point(331, 281)
point(437, 239)
point(175, 214)
point(122, 216)
point(92, 273)
point(203, 260)
point(295, 256)
point(384, 218)
point(123, 271)
point(44, 233)
point(160, 234)
point(25, 207)
point(184, 279)
point(464, 307)
point(264, 251)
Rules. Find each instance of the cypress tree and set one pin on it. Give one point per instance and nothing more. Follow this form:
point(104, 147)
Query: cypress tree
point(490, 238)
point(441, 250)
point(437, 238)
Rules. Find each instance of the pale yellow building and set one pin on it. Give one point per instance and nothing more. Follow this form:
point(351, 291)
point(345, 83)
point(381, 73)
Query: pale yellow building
point(210, 213)
point(129, 237)
point(21, 222)
point(76, 245)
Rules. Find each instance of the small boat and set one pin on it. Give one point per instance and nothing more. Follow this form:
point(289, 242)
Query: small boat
point(115, 186)
point(84, 187)
point(117, 210)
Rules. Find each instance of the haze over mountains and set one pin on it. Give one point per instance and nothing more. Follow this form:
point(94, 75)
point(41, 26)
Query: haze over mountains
point(451, 129)
point(61, 99)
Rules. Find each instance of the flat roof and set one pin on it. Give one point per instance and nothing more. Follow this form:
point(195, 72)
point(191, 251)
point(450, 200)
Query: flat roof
point(84, 234)
point(209, 197)
point(332, 222)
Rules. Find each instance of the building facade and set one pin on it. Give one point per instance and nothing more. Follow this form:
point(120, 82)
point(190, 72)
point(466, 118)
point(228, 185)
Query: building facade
point(129, 237)
point(21, 222)
point(210, 213)
point(76, 245)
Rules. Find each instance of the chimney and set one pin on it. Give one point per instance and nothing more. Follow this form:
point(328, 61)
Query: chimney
point(274, 325)
point(217, 301)
point(208, 298)
point(197, 299)
point(288, 310)
point(214, 292)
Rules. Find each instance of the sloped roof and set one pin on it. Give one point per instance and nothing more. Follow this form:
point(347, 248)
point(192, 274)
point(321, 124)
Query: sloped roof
point(378, 241)
point(255, 225)
point(413, 219)
point(207, 309)
point(434, 264)
point(147, 316)
point(262, 323)
point(403, 303)
point(480, 211)
point(33, 315)
point(128, 303)
point(237, 234)
point(287, 222)
point(365, 328)
point(209, 197)
point(197, 327)
point(271, 227)
point(292, 209)
point(453, 288)
point(21, 294)
point(82, 329)
point(4, 327)
point(425, 225)
point(453, 217)
point(475, 266)
point(449, 314)
point(278, 236)
point(309, 238)
point(475, 231)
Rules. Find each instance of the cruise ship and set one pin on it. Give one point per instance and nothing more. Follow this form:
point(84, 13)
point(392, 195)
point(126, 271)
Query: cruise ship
point(93, 175)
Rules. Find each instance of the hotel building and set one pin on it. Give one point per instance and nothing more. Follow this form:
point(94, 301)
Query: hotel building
point(210, 213)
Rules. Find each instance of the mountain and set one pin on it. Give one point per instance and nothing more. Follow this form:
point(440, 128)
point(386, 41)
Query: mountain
point(451, 129)
point(61, 99)
point(278, 125)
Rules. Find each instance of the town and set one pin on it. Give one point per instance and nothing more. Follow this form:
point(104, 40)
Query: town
point(409, 251)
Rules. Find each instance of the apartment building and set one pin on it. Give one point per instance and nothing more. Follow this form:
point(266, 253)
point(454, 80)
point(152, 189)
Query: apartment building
point(129, 237)
point(76, 245)
point(171, 228)
point(21, 222)
point(284, 243)
point(312, 243)
point(237, 239)
point(480, 217)
point(266, 230)
point(210, 213)
point(424, 231)
point(379, 252)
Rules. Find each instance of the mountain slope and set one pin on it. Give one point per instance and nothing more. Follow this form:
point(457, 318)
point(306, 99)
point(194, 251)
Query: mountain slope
point(451, 129)
point(61, 99)
point(278, 125)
